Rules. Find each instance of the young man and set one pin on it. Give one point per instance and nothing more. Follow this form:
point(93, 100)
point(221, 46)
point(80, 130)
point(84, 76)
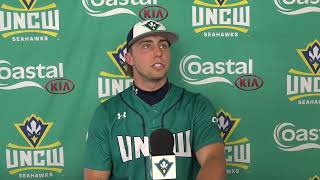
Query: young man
point(118, 141)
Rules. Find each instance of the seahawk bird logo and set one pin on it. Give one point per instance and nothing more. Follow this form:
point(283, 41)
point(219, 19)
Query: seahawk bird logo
point(311, 56)
point(152, 25)
point(164, 166)
point(33, 130)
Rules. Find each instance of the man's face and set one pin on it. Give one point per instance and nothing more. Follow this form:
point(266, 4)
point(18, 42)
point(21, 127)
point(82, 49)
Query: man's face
point(150, 58)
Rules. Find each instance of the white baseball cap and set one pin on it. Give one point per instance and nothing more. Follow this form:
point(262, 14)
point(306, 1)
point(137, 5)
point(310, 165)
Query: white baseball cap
point(150, 28)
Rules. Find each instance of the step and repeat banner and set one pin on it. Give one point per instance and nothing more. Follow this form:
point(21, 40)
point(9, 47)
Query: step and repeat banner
point(257, 61)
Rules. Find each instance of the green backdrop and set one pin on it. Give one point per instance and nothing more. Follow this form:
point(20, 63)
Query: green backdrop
point(257, 61)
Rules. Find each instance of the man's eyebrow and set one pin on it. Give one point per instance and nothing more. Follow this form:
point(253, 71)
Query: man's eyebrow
point(164, 40)
point(143, 41)
point(149, 40)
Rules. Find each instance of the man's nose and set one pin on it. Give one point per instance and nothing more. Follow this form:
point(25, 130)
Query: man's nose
point(158, 50)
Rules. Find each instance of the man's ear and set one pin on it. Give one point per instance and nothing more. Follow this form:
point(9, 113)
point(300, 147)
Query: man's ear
point(129, 58)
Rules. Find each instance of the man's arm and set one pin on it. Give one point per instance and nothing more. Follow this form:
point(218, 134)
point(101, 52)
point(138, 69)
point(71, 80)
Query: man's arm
point(90, 174)
point(212, 161)
point(98, 157)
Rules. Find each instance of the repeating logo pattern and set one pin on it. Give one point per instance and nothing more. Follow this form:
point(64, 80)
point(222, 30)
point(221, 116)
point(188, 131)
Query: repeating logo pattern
point(34, 160)
point(110, 84)
point(249, 82)
point(156, 13)
point(238, 156)
point(34, 20)
point(17, 77)
point(290, 138)
point(34, 130)
point(29, 21)
point(297, 7)
point(105, 8)
point(221, 18)
point(303, 86)
point(196, 71)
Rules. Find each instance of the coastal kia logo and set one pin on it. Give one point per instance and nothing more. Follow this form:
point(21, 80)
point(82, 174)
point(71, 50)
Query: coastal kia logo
point(248, 82)
point(60, 86)
point(197, 71)
point(221, 18)
point(237, 151)
point(29, 20)
point(106, 8)
point(303, 86)
point(296, 7)
point(290, 138)
point(156, 13)
point(110, 84)
point(32, 159)
point(17, 77)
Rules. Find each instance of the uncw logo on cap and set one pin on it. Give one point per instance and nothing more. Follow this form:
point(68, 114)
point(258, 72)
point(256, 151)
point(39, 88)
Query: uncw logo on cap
point(164, 166)
point(152, 25)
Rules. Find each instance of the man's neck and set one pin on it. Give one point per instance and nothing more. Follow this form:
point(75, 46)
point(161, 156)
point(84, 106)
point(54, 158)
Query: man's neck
point(152, 97)
point(150, 85)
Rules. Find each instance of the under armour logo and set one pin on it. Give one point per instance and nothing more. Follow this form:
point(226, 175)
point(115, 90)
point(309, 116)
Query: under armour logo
point(123, 115)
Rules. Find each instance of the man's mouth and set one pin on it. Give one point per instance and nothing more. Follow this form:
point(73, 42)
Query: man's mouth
point(158, 65)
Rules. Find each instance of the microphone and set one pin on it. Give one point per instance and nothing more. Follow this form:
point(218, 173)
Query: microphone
point(163, 159)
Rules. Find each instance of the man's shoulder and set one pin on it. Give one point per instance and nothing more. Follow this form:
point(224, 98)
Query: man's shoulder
point(187, 93)
point(108, 110)
point(116, 100)
point(190, 97)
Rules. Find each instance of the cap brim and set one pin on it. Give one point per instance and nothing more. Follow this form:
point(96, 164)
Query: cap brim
point(172, 37)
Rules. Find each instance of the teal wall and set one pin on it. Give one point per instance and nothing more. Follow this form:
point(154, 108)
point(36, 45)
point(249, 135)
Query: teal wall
point(257, 61)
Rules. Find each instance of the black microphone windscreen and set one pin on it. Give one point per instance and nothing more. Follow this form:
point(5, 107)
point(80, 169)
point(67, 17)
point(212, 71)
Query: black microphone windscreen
point(161, 142)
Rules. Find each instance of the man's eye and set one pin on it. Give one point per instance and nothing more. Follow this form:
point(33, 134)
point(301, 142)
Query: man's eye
point(164, 46)
point(146, 46)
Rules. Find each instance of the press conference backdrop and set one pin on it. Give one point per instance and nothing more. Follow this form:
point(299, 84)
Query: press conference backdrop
point(257, 62)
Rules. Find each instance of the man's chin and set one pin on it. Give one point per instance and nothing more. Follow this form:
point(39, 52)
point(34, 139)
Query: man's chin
point(157, 78)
